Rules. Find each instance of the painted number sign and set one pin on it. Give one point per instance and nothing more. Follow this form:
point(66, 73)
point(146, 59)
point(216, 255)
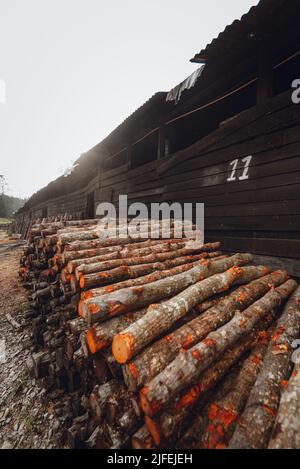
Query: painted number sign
point(235, 174)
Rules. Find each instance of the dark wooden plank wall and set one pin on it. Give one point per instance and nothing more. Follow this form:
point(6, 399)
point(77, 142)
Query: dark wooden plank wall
point(260, 213)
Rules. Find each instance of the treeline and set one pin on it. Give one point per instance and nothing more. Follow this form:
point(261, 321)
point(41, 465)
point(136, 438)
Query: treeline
point(9, 205)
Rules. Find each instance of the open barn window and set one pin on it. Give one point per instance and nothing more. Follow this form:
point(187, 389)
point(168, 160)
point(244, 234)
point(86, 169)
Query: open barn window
point(285, 72)
point(187, 130)
point(145, 150)
point(115, 161)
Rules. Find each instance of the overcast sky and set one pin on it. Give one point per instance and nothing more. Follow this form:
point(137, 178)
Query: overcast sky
point(74, 69)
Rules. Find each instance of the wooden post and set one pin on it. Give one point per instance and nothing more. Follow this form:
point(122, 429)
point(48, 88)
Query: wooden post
point(161, 142)
point(129, 153)
point(265, 73)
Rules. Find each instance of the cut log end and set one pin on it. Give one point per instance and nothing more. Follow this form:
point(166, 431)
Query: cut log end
point(123, 347)
point(81, 309)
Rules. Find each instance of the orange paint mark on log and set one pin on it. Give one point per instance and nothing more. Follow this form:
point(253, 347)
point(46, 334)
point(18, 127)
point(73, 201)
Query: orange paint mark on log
point(86, 295)
point(263, 337)
point(269, 410)
point(225, 416)
point(219, 430)
point(243, 296)
point(280, 348)
point(220, 446)
point(133, 370)
point(278, 333)
point(212, 441)
point(209, 342)
point(188, 341)
point(284, 384)
point(196, 355)
point(116, 307)
point(168, 338)
point(103, 275)
point(221, 419)
point(93, 308)
point(188, 398)
point(256, 359)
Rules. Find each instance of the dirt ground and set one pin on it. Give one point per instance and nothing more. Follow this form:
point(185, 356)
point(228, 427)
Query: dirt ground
point(26, 418)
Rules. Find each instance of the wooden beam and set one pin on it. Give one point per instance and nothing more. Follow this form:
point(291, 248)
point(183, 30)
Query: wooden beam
point(129, 154)
point(161, 142)
point(265, 73)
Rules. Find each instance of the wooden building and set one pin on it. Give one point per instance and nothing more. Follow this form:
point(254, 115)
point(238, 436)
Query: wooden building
point(232, 141)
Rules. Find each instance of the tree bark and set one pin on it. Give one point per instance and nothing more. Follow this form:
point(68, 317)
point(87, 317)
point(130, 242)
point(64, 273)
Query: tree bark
point(127, 299)
point(286, 433)
point(78, 261)
point(193, 428)
point(157, 356)
point(160, 318)
point(91, 256)
point(135, 271)
point(95, 266)
point(98, 243)
point(188, 365)
point(167, 424)
point(224, 413)
point(111, 236)
point(152, 277)
point(262, 405)
point(99, 396)
point(142, 439)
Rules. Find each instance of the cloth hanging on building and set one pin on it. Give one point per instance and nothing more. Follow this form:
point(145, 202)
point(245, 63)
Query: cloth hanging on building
point(175, 93)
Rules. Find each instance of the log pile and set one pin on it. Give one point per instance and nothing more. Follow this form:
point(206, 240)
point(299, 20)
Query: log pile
point(160, 342)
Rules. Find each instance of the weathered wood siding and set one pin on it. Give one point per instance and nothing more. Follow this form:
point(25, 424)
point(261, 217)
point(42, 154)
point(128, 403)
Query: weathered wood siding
point(253, 209)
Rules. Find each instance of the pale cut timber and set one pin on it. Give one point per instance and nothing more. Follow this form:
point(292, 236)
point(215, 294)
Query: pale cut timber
point(158, 230)
point(157, 356)
point(118, 302)
point(92, 256)
point(92, 267)
point(135, 271)
point(98, 243)
point(160, 318)
point(264, 398)
point(188, 365)
point(286, 433)
point(223, 414)
point(165, 425)
point(149, 278)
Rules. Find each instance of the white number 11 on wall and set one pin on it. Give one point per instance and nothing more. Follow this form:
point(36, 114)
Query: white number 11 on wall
point(245, 174)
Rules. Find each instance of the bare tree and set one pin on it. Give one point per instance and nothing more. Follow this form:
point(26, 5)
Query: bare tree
point(3, 184)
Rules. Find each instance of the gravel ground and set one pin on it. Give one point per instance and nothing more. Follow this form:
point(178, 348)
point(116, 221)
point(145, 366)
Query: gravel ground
point(27, 417)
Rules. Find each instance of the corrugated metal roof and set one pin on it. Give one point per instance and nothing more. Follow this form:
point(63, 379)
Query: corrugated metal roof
point(252, 24)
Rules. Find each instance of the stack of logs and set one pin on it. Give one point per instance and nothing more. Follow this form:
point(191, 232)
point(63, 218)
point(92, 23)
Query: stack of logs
point(161, 343)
